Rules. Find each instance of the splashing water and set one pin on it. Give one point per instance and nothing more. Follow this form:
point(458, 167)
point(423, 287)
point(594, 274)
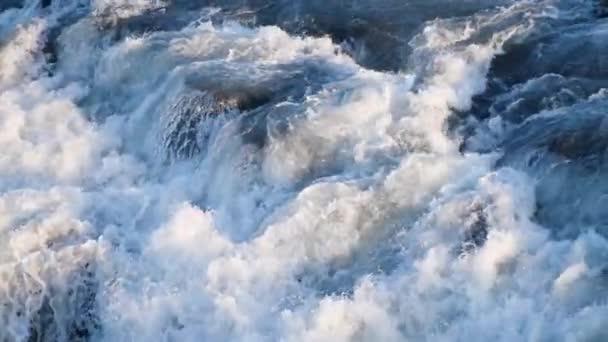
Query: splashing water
point(303, 170)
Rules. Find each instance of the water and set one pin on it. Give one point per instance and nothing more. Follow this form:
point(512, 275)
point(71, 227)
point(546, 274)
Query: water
point(258, 170)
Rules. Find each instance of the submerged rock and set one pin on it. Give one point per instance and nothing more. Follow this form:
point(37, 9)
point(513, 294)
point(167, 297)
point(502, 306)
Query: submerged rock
point(8, 4)
point(566, 151)
point(601, 9)
point(577, 132)
point(215, 96)
point(579, 51)
point(183, 135)
point(375, 32)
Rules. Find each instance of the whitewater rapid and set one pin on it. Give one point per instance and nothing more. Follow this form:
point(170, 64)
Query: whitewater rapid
point(271, 171)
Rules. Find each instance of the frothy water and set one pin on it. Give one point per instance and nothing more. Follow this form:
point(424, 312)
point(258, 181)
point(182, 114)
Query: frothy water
point(303, 170)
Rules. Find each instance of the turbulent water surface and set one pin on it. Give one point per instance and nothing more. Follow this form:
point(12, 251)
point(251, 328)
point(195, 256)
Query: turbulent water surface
point(303, 170)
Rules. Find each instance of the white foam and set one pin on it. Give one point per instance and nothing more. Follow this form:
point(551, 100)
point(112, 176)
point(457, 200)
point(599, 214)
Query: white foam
point(121, 9)
point(355, 223)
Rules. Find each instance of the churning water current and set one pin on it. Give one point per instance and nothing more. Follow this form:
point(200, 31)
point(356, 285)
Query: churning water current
point(291, 170)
